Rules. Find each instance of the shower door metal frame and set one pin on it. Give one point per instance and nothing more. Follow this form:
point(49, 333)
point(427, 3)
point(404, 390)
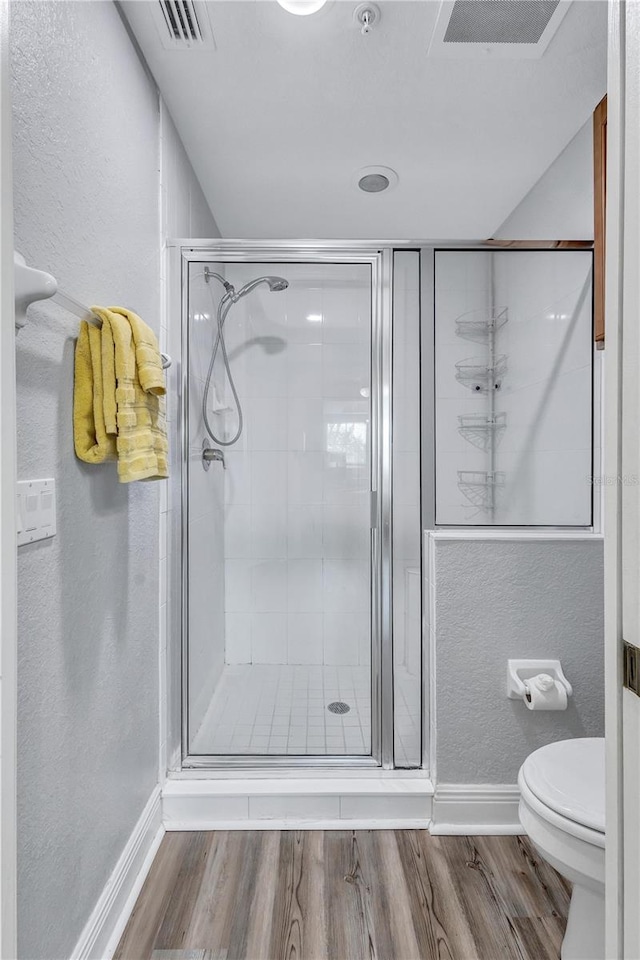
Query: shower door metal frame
point(380, 259)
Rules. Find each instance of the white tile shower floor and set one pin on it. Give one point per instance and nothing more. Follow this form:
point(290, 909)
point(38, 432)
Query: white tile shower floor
point(260, 709)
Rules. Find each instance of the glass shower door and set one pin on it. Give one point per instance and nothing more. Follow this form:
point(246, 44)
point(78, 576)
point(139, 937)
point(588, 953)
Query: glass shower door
point(279, 479)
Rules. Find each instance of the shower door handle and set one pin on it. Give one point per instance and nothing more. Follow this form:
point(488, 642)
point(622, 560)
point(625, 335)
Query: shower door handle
point(373, 502)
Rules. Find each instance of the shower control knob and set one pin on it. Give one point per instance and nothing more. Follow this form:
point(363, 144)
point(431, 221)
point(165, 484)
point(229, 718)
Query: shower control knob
point(209, 454)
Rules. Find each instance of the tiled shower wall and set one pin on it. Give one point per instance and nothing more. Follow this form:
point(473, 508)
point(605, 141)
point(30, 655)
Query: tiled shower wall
point(296, 485)
point(463, 284)
point(544, 451)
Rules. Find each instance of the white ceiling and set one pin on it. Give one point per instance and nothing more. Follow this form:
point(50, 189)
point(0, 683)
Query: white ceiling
point(279, 117)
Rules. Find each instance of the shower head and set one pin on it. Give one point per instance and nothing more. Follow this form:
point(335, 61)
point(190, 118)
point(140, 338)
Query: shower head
point(277, 283)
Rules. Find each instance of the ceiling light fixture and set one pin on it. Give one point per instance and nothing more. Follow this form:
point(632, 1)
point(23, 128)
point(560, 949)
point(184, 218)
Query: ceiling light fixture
point(376, 179)
point(302, 8)
point(373, 182)
point(314, 317)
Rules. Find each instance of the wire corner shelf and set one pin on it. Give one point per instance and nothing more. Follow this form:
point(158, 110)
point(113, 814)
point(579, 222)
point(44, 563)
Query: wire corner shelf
point(479, 376)
point(478, 486)
point(481, 430)
point(476, 325)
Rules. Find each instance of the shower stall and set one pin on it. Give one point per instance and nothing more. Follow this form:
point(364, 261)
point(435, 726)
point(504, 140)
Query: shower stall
point(334, 401)
point(294, 579)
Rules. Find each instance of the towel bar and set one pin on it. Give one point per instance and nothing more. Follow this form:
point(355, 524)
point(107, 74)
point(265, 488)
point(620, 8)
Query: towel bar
point(79, 309)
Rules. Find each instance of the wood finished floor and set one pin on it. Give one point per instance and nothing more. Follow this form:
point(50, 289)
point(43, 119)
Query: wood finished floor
point(346, 895)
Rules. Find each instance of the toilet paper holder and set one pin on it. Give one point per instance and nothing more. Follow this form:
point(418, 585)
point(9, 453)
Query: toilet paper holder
point(520, 672)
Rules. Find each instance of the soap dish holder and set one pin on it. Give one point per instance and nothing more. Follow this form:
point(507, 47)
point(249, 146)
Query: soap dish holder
point(520, 671)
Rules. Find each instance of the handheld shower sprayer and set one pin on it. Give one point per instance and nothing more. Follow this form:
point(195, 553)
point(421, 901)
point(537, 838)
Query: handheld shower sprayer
point(229, 298)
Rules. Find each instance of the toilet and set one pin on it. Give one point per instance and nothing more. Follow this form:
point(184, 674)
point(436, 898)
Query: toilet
point(562, 810)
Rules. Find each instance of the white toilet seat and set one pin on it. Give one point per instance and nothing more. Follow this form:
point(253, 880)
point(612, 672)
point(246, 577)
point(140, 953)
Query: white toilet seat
point(568, 778)
point(571, 827)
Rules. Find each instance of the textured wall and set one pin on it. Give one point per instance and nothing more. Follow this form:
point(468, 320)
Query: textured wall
point(496, 600)
point(86, 199)
point(185, 211)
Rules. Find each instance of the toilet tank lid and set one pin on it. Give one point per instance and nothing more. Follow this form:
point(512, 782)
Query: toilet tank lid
point(568, 777)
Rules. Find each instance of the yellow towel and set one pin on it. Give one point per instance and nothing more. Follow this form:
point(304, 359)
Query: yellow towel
point(91, 439)
point(108, 354)
point(115, 417)
point(139, 413)
point(118, 370)
point(148, 359)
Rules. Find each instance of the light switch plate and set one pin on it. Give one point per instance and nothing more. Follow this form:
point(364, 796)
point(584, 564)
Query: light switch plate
point(36, 513)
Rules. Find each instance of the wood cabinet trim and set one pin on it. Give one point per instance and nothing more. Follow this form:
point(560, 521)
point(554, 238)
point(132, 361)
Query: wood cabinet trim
point(599, 207)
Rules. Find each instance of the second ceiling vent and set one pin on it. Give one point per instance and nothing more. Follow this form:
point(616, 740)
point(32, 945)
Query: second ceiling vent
point(514, 29)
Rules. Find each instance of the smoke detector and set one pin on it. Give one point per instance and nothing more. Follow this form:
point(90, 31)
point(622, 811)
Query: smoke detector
point(183, 24)
point(501, 29)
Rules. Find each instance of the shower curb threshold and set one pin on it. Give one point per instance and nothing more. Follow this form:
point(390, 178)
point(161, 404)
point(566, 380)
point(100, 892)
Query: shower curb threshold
point(339, 802)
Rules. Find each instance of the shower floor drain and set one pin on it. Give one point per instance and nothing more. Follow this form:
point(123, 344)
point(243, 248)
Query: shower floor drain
point(338, 706)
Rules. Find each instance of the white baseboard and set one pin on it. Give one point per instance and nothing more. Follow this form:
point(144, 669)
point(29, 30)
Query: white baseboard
point(471, 809)
point(106, 924)
point(298, 823)
point(270, 804)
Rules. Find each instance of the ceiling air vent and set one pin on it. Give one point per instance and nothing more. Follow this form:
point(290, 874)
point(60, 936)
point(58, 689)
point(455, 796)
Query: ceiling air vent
point(183, 25)
point(514, 29)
